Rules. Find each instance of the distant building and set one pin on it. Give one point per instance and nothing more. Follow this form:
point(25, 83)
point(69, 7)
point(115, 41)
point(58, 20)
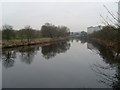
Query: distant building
point(93, 29)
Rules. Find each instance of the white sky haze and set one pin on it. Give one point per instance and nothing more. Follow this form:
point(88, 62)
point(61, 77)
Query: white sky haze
point(75, 15)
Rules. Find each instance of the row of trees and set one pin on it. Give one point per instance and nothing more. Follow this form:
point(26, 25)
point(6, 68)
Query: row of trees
point(8, 33)
point(47, 30)
point(108, 33)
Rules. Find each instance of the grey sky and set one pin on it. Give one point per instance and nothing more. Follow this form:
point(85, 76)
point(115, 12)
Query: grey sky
point(75, 15)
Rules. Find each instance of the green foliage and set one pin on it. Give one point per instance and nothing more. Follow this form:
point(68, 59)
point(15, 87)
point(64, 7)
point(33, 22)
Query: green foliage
point(108, 33)
point(49, 30)
point(7, 32)
point(26, 33)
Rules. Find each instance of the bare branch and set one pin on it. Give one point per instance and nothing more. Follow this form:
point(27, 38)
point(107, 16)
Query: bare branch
point(113, 16)
point(104, 20)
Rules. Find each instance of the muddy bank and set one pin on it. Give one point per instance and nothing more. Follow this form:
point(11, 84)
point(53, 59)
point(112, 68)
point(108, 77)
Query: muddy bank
point(18, 43)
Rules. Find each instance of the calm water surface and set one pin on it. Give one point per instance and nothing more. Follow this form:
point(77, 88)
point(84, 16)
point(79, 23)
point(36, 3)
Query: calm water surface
point(69, 64)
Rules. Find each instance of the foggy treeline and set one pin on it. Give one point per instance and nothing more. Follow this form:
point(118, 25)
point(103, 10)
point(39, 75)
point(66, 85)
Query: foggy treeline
point(48, 30)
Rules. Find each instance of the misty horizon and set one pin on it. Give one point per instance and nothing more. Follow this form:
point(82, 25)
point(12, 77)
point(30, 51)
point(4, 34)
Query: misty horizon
point(77, 16)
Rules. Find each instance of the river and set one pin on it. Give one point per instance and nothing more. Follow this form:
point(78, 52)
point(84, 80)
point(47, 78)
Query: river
point(67, 64)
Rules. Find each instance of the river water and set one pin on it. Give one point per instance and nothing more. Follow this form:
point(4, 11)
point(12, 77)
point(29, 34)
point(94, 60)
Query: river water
point(68, 64)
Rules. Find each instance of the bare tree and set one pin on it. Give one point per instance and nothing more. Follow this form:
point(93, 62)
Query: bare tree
point(28, 32)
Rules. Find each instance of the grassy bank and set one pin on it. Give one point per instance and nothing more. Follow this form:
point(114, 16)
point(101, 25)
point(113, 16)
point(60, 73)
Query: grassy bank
point(18, 43)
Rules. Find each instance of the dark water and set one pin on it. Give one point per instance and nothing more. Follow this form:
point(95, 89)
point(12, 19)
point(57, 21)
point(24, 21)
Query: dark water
point(69, 64)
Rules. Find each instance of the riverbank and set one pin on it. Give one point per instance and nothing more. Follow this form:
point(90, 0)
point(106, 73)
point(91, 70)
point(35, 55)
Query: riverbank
point(106, 43)
point(113, 46)
point(18, 43)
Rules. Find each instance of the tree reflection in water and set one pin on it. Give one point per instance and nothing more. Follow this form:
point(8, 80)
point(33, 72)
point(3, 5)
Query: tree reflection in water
point(107, 78)
point(54, 49)
point(8, 58)
point(28, 53)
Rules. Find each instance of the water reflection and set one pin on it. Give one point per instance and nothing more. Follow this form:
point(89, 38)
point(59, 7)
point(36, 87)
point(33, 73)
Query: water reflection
point(103, 71)
point(74, 72)
point(83, 41)
point(54, 49)
point(8, 58)
point(106, 53)
point(27, 53)
point(0, 54)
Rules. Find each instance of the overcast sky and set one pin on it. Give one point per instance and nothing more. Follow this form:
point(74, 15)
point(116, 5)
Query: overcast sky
point(75, 15)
